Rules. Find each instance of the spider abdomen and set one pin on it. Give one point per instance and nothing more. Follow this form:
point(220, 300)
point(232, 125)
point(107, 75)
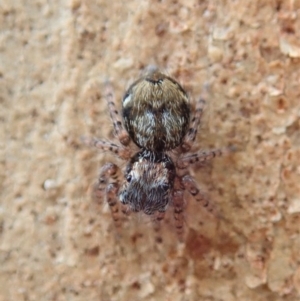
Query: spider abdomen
point(156, 112)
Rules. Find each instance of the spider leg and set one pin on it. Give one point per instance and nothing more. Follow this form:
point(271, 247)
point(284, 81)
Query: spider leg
point(178, 203)
point(202, 157)
point(158, 217)
point(189, 138)
point(122, 152)
point(108, 186)
point(191, 186)
point(125, 209)
point(112, 200)
point(107, 172)
point(120, 132)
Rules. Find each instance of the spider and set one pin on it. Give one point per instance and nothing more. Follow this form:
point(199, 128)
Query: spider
point(158, 119)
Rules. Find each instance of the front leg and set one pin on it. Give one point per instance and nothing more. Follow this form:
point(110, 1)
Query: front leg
point(191, 186)
point(178, 206)
point(113, 202)
point(156, 221)
point(107, 187)
point(178, 203)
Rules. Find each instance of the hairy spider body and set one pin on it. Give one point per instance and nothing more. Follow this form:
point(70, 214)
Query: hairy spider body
point(156, 112)
point(149, 182)
point(157, 118)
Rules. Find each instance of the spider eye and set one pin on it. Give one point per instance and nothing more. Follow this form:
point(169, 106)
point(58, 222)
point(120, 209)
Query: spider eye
point(128, 178)
point(165, 187)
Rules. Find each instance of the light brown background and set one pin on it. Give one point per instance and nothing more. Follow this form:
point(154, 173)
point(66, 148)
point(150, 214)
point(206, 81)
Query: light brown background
point(55, 244)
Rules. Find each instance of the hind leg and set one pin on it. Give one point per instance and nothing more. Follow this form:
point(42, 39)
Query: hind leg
point(120, 131)
point(190, 137)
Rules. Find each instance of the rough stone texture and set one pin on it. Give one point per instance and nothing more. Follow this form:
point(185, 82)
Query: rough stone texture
point(55, 243)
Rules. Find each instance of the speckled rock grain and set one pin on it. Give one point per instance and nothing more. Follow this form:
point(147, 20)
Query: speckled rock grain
point(55, 243)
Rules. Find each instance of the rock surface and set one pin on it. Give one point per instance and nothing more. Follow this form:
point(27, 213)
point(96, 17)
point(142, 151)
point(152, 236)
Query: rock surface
point(55, 243)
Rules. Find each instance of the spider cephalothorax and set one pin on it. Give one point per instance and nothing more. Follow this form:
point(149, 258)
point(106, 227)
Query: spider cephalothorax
point(158, 119)
point(149, 182)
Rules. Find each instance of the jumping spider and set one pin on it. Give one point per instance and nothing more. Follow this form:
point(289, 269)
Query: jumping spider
point(157, 117)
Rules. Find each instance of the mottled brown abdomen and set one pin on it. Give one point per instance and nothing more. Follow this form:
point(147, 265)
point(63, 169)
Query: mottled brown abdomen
point(156, 117)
